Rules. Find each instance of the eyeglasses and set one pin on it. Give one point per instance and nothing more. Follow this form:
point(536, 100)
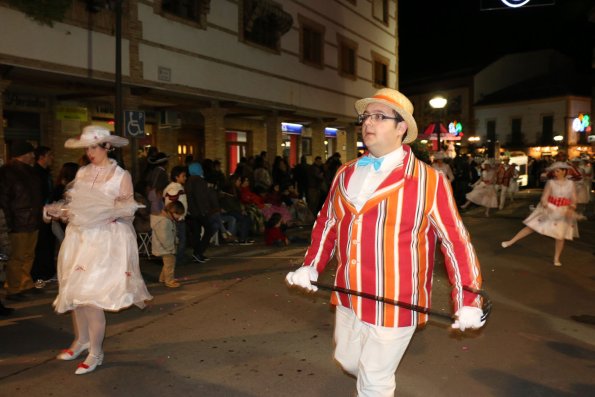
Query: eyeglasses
point(375, 117)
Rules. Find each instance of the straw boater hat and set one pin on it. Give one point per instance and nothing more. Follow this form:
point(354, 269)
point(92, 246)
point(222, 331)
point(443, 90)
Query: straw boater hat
point(558, 164)
point(94, 135)
point(396, 101)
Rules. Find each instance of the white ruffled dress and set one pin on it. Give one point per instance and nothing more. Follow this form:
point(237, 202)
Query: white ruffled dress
point(98, 262)
point(553, 220)
point(484, 191)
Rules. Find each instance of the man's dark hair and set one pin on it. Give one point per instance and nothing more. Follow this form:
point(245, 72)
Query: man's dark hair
point(176, 171)
point(41, 151)
point(397, 121)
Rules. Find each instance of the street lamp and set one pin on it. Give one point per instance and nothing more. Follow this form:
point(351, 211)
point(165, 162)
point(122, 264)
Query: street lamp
point(438, 102)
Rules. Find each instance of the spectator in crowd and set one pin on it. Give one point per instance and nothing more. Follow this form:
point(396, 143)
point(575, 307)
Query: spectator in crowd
point(4, 251)
point(164, 240)
point(230, 203)
point(175, 192)
point(156, 181)
point(262, 176)
point(274, 233)
point(315, 185)
point(199, 212)
point(65, 177)
point(281, 174)
point(44, 264)
point(253, 204)
point(22, 202)
point(462, 176)
point(300, 176)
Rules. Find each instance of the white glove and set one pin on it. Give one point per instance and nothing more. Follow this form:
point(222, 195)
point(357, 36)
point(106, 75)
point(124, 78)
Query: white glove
point(468, 317)
point(302, 276)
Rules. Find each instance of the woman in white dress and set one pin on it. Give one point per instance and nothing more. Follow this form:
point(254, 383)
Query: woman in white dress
point(484, 190)
point(98, 266)
point(555, 216)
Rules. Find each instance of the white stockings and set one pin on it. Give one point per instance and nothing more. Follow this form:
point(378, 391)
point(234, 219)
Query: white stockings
point(89, 325)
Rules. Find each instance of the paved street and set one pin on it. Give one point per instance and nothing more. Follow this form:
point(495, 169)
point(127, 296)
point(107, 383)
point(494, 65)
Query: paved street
point(235, 329)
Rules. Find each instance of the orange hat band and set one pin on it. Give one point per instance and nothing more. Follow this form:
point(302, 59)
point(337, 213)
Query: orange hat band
point(389, 99)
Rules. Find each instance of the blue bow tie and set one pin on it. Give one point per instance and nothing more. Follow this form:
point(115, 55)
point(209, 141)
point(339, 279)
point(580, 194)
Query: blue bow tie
point(367, 160)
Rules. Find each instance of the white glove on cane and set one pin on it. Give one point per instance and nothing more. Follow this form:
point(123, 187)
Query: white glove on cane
point(468, 317)
point(302, 276)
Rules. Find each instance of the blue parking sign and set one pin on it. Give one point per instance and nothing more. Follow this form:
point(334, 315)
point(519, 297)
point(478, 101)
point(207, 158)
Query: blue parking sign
point(134, 122)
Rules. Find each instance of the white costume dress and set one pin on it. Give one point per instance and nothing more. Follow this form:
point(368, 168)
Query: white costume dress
point(552, 220)
point(98, 261)
point(484, 191)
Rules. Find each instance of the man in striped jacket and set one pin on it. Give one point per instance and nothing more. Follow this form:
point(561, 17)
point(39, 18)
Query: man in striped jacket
point(381, 219)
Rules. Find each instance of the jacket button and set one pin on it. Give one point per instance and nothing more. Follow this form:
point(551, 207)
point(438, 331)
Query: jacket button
point(353, 261)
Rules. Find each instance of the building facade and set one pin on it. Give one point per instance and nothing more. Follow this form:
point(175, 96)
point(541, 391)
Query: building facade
point(208, 79)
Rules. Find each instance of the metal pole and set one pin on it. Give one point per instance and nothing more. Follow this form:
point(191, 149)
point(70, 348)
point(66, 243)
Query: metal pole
point(437, 128)
point(118, 116)
point(118, 103)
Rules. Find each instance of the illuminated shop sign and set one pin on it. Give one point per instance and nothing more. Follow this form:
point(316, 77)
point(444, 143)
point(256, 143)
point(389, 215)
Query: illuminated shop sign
point(455, 128)
point(291, 128)
point(330, 132)
point(582, 123)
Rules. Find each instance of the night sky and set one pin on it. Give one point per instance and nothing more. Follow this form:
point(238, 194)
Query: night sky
point(444, 35)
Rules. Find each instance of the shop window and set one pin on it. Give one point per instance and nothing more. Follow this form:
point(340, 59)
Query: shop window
point(380, 72)
point(263, 22)
point(347, 57)
point(547, 130)
point(190, 10)
point(516, 135)
point(380, 10)
point(311, 42)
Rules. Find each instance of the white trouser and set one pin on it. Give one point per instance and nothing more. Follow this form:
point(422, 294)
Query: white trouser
point(503, 193)
point(369, 352)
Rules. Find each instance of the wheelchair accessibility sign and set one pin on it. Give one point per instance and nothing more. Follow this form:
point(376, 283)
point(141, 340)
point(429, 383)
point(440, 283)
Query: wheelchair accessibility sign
point(134, 122)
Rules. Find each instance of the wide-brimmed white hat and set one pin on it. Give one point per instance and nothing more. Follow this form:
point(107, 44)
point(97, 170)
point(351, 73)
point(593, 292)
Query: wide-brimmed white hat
point(439, 155)
point(396, 101)
point(558, 164)
point(94, 135)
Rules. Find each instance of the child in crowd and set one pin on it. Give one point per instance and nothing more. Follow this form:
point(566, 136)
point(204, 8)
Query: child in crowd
point(175, 192)
point(273, 233)
point(164, 240)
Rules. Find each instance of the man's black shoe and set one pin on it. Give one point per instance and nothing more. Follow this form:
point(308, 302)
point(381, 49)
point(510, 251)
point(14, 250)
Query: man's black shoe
point(198, 258)
point(18, 297)
point(5, 311)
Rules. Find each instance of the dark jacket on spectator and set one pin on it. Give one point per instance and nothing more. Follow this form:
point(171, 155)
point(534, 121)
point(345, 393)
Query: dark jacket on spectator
point(20, 197)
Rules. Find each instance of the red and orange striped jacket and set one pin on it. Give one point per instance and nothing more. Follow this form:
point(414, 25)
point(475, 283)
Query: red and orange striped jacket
point(387, 248)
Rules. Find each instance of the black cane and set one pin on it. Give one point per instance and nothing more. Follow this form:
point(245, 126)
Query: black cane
point(486, 308)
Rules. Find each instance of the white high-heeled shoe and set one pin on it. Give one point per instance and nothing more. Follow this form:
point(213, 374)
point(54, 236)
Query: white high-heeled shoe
point(70, 354)
point(83, 368)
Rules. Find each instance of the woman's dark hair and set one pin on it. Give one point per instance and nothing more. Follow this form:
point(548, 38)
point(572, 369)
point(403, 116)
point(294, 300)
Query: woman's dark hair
point(67, 173)
point(273, 220)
